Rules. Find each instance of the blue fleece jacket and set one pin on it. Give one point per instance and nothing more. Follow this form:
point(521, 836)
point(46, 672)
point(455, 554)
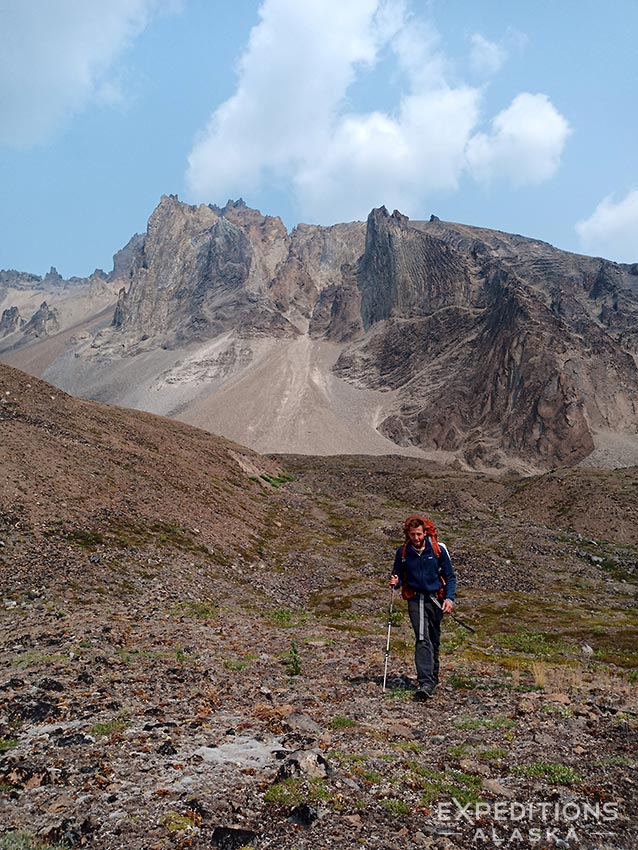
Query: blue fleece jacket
point(422, 571)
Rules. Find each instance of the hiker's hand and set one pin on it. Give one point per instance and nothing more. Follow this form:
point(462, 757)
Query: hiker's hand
point(448, 606)
point(394, 580)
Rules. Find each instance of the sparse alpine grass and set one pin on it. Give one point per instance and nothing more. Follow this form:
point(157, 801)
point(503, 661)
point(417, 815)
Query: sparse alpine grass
point(123, 534)
point(397, 808)
point(288, 793)
point(276, 480)
point(235, 666)
point(401, 694)
point(489, 754)
point(551, 772)
point(369, 776)
point(468, 681)
point(435, 785)
point(32, 659)
point(85, 538)
point(281, 617)
point(293, 660)
point(527, 643)
point(204, 609)
point(470, 723)
point(176, 822)
point(453, 637)
point(397, 618)
point(109, 727)
point(342, 723)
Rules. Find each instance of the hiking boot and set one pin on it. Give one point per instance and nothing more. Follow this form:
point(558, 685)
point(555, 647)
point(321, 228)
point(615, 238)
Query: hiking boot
point(423, 693)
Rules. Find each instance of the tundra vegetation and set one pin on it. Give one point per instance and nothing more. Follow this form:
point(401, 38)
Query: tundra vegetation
point(215, 676)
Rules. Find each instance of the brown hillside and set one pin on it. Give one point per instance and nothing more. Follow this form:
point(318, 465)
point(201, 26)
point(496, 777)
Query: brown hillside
point(88, 472)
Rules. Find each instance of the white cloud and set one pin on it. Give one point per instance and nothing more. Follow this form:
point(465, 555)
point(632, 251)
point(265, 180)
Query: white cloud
point(611, 231)
point(55, 57)
point(300, 61)
point(525, 144)
point(486, 57)
point(290, 122)
point(374, 158)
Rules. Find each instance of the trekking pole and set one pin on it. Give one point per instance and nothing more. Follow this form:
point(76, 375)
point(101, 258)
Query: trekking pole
point(456, 619)
point(387, 646)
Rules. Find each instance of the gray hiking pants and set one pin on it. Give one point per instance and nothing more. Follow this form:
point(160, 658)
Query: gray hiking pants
point(426, 618)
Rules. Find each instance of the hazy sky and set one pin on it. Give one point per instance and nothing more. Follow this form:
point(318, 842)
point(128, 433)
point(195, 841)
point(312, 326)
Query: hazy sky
point(519, 116)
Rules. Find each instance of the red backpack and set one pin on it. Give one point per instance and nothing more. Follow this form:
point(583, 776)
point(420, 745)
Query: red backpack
point(430, 532)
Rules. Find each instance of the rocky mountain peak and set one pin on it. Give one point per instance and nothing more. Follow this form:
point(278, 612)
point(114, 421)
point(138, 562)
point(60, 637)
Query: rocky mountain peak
point(239, 204)
point(405, 272)
point(11, 321)
point(52, 276)
point(481, 347)
point(43, 322)
point(127, 260)
point(202, 270)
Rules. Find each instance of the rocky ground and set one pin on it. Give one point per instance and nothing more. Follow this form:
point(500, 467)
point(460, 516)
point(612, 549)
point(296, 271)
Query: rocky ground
point(193, 639)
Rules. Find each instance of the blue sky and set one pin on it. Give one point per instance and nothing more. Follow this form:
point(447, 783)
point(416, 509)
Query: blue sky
point(517, 116)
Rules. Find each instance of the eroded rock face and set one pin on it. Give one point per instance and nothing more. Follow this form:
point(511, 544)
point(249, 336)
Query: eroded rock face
point(337, 313)
point(128, 260)
point(496, 348)
point(318, 271)
point(191, 263)
point(203, 270)
point(404, 272)
point(43, 322)
point(499, 345)
point(11, 321)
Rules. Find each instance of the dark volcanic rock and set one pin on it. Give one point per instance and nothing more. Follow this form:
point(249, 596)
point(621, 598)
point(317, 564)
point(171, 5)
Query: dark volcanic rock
point(43, 322)
point(405, 272)
point(231, 838)
point(500, 346)
point(11, 321)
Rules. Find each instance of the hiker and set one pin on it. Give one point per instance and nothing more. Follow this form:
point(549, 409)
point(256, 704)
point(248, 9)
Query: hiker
point(423, 570)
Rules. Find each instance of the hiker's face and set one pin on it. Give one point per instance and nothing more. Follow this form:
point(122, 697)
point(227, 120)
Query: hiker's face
point(417, 535)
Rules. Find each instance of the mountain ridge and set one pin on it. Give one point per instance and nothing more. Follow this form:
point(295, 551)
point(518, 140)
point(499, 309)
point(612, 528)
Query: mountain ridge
point(484, 348)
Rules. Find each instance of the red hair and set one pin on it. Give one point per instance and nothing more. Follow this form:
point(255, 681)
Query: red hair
point(428, 527)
